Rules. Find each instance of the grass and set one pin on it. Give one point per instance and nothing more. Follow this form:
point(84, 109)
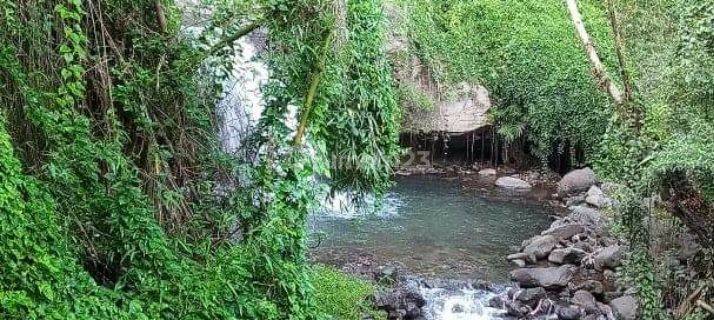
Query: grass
point(341, 296)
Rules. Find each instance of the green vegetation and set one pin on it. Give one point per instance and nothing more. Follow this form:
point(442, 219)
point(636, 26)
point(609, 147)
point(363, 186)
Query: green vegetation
point(527, 55)
point(341, 296)
point(117, 201)
point(110, 161)
point(665, 147)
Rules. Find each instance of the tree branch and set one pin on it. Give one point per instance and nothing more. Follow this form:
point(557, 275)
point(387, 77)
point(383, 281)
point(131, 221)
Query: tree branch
point(599, 69)
point(239, 34)
point(619, 47)
point(312, 92)
point(160, 16)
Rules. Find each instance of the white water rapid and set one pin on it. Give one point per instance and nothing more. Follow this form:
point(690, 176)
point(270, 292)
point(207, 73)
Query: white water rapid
point(461, 304)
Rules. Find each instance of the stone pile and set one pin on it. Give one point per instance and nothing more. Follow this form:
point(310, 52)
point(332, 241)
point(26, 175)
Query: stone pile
point(569, 270)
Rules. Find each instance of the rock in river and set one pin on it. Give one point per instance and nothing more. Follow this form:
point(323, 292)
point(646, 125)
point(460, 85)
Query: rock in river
point(512, 183)
point(551, 277)
point(487, 172)
point(531, 296)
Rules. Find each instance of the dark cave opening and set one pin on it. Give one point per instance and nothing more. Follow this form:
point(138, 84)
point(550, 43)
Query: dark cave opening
point(484, 147)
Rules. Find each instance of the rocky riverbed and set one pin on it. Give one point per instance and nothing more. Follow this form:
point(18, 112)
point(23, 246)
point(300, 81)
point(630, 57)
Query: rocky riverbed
point(568, 270)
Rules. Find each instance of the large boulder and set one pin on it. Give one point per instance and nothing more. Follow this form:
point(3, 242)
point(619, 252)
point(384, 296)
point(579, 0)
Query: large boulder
point(539, 247)
point(609, 257)
point(512, 183)
point(405, 301)
point(577, 181)
point(551, 277)
point(625, 308)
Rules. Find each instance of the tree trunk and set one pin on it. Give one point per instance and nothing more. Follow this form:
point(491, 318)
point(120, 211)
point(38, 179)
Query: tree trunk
point(599, 70)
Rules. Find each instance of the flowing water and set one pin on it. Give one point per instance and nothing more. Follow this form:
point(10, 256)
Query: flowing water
point(436, 229)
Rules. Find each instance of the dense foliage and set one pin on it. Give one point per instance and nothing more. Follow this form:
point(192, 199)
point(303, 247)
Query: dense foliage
point(667, 151)
point(113, 181)
point(527, 55)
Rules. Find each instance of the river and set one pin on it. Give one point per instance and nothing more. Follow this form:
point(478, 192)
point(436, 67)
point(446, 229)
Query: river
point(435, 228)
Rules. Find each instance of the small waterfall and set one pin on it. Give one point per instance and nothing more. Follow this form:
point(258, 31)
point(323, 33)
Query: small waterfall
point(242, 104)
point(459, 304)
point(345, 205)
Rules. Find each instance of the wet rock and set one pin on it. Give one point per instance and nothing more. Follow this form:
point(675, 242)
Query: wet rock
point(496, 302)
point(404, 301)
point(565, 232)
point(487, 172)
point(551, 277)
point(531, 296)
point(540, 247)
point(609, 257)
point(413, 311)
point(519, 263)
point(625, 308)
point(587, 301)
point(568, 313)
point(577, 181)
point(388, 273)
point(512, 183)
point(517, 256)
point(593, 286)
point(516, 309)
point(597, 198)
point(569, 255)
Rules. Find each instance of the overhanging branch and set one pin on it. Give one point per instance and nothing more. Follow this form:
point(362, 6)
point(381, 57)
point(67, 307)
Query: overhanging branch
point(232, 38)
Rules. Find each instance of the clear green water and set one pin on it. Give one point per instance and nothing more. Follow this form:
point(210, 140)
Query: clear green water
point(435, 228)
